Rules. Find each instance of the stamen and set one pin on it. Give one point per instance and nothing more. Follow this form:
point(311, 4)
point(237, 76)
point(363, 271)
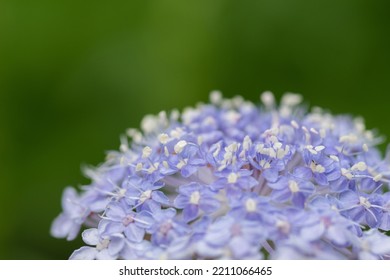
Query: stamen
point(146, 152)
point(180, 146)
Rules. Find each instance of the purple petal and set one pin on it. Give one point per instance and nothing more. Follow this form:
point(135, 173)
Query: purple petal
point(134, 233)
point(385, 222)
point(349, 198)
point(209, 205)
point(160, 197)
point(84, 253)
point(188, 170)
point(144, 219)
point(271, 174)
point(190, 212)
point(240, 247)
point(313, 232)
point(63, 226)
point(181, 201)
point(116, 245)
point(381, 246)
point(115, 212)
point(113, 227)
point(91, 236)
point(104, 255)
point(304, 173)
point(281, 195)
point(298, 200)
point(334, 175)
point(337, 235)
point(321, 179)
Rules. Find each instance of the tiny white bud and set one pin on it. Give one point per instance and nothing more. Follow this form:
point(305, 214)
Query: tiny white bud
point(365, 147)
point(291, 99)
point(123, 148)
point(149, 123)
point(215, 97)
point(268, 99)
point(175, 114)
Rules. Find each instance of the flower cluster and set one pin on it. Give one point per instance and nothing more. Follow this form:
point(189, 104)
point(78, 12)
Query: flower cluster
point(231, 180)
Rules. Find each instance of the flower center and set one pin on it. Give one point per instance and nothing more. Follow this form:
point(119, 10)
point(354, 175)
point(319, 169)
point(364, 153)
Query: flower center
point(195, 197)
point(364, 202)
point(283, 226)
point(317, 167)
point(165, 228)
point(145, 196)
point(293, 186)
point(232, 178)
point(250, 205)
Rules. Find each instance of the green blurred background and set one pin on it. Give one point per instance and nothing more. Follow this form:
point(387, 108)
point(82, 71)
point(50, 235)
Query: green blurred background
point(75, 74)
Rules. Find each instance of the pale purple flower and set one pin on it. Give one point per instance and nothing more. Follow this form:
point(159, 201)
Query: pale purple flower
point(233, 180)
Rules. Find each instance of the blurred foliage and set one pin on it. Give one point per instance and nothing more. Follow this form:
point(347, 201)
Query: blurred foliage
point(75, 74)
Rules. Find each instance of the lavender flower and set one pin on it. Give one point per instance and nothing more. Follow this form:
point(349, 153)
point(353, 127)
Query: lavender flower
point(231, 180)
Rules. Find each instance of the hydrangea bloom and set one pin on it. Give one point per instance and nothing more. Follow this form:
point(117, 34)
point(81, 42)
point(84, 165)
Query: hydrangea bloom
point(231, 180)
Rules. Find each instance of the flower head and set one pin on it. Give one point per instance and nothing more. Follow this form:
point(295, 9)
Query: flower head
point(232, 180)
